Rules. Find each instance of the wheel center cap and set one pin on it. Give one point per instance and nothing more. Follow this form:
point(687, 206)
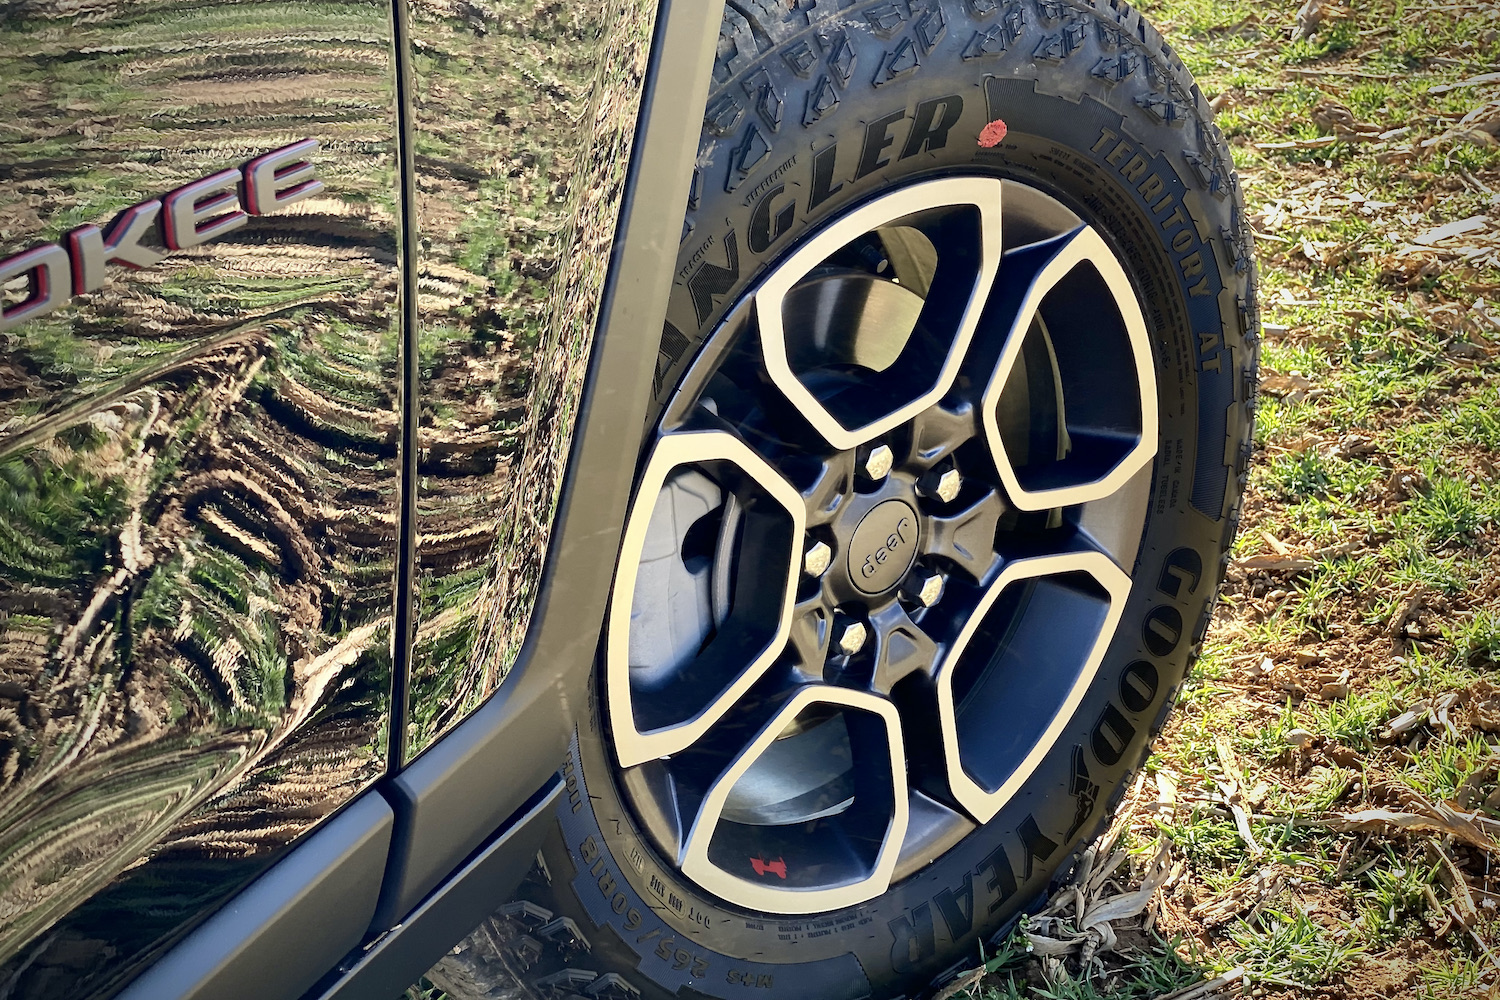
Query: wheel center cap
point(883, 547)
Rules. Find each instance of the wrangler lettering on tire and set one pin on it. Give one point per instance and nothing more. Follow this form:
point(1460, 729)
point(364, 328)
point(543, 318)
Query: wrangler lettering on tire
point(952, 413)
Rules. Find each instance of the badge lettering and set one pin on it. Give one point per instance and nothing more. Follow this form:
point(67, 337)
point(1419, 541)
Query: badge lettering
point(90, 250)
point(280, 177)
point(203, 210)
point(895, 540)
point(187, 217)
point(46, 271)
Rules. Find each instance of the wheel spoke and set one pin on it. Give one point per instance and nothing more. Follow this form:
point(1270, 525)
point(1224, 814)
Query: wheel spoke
point(848, 822)
point(811, 629)
point(1113, 525)
point(967, 537)
point(834, 477)
point(901, 647)
point(1073, 334)
point(991, 743)
point(665, 695)
point(855, 345)
point(937, 432)
point(932, 829)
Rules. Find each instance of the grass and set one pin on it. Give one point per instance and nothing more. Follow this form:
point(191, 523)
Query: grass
point(1290, 949)
point(1377, 446)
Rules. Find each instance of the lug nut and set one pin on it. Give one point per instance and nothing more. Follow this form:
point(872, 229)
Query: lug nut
point(924, 588)
point(942, 486)
point(816, 559)
point(852, 638)
point(878, 463)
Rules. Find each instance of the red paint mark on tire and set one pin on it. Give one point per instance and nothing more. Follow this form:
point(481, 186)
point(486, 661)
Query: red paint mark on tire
point(992, 134)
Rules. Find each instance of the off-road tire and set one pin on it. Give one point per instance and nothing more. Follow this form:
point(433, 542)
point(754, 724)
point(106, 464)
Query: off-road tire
point(813, 109)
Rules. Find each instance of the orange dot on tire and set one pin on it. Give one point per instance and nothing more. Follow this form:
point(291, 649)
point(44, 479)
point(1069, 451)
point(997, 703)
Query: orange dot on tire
point(992, 134)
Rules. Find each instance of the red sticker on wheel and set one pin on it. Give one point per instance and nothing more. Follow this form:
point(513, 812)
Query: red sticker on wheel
point(763, 867)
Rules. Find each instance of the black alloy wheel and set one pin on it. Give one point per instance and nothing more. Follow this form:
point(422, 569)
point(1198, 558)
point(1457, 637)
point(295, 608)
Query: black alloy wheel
point(955, 405)
point(875, 557)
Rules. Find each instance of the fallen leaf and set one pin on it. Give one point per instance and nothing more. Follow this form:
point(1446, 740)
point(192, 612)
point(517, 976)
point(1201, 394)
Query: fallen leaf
point(1458, 886)
point(1292, 564)
point(1407, 611)
point(1232, 787)
point(1208, 988)
point(1437, 818)
point(1322, 140)
point(1312, 14)
point(1341, 549)
point(1406, 721)
point(1284, 385)
point(1331, 116)
point(1472, 224)
point(1166, 796)
point(1343, 756)
point(1128, 904)
point(1334, 691)
point(1484, 706)
point(1473, 81)
point(1275, 543)
point(1463, 349)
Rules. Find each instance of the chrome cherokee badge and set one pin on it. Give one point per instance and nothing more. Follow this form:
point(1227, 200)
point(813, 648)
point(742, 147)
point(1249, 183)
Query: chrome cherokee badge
point(194, 213)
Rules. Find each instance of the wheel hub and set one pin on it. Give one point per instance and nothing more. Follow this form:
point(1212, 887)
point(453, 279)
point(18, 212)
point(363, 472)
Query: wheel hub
point(883, 547)
point(860, 520)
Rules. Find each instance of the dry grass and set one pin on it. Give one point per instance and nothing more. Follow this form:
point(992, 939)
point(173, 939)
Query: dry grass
point(1327, 787)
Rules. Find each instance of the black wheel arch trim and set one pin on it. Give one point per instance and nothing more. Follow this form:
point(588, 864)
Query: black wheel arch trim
point(407, 864)
point(514, 742)
point(284, 931)
point(406, 951)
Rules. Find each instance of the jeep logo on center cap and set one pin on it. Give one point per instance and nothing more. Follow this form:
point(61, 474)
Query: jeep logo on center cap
point(883, 547)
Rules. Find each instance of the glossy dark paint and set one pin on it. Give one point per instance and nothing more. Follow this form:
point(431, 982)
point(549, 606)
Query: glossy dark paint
point(285, 337)
point(523, 125)
point(202, 210)
point(197, 469)
point(511, 744)
point(465, 899)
